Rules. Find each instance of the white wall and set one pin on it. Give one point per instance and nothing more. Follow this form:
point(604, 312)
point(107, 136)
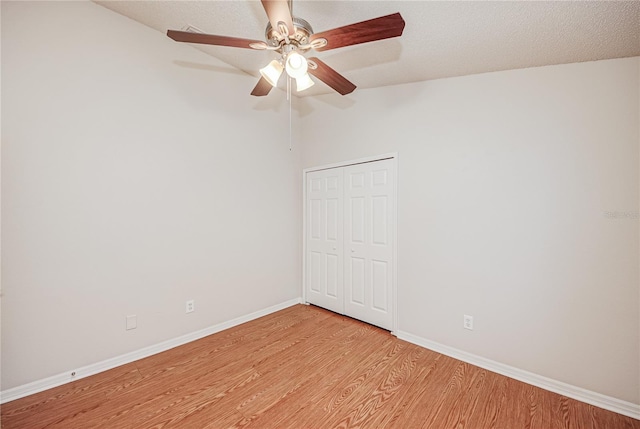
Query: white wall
point(131, 183)
point(504, 181)
point(0, 206)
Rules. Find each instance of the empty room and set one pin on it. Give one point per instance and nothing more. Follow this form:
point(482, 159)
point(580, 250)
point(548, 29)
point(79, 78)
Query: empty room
point(318, 214)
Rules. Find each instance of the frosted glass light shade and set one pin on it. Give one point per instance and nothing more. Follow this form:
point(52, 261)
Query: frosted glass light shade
point(271, 73)
point(304, 82)
point(296, 65)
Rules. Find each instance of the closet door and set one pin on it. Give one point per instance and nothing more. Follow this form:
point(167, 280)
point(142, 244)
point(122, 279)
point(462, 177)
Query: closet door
point(368, 242)
point(350, 225)
point(324, 239)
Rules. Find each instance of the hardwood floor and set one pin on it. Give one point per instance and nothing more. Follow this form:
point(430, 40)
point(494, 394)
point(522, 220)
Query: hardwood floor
point(303, 367)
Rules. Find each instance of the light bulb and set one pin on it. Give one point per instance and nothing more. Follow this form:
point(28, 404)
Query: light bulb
point(295, 61)
point(304, 82)
point(271, 73)
point(296, 65)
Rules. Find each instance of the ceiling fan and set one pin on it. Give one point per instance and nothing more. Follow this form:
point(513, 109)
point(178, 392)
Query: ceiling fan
point(291, 37)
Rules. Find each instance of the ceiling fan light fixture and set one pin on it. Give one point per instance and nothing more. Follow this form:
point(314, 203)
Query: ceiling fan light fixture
point(296, 65)
point(271, 73)
point(304, 82)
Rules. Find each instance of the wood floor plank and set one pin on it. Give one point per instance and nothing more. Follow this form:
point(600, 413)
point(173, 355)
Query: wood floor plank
point(429, 396)
point(302, 367)
point(487, 402)
point(381, 384)
point(332, 398)
point(209, 370)
point(59, 405)
point(271, 379)
point(308, 358)
point(196, 402)
point(408, 408)
point(328, 370)
point(462, 409)
point(509, 412)
point(396, 387)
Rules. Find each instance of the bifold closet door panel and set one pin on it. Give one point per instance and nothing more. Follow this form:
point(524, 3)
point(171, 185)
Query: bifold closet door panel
point(368, 242)
point(324, 239)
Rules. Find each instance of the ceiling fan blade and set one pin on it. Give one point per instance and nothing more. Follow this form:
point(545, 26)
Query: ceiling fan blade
point(262, 88)
point(380, 28)
point(211, 39)
point(278, 11)
point(331, 77)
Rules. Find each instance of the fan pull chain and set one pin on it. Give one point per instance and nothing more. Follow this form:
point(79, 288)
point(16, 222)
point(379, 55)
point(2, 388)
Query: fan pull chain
point(290, 100)
point(288, 88)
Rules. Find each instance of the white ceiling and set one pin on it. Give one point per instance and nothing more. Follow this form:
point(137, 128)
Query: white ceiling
point(441, 39)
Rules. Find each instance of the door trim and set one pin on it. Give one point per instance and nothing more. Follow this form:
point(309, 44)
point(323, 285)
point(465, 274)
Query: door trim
point(394, 287)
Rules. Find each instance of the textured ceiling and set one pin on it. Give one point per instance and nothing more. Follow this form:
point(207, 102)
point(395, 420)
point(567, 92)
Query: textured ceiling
point(441, 39)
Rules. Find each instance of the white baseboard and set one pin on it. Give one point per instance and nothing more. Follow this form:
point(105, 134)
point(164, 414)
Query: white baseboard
point(599, 400)
point(86, 371)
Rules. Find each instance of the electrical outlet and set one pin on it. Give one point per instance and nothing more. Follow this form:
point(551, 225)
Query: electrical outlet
point(468, 322)
point(191, 306)
point(132, 322)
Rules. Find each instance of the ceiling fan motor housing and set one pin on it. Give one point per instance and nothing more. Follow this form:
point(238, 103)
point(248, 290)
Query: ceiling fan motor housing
point(301, 36)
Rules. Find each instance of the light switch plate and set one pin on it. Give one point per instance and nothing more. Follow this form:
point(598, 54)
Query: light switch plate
point(132, 322)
